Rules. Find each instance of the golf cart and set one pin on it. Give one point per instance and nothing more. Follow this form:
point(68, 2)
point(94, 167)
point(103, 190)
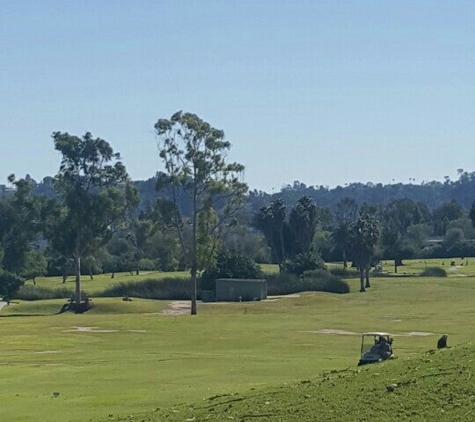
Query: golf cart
point(375, 347)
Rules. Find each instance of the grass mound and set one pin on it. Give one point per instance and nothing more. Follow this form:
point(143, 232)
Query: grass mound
point(106, 306)
point(436, 385)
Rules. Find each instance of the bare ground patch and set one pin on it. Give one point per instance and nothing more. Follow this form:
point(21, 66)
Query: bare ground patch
point(177, 307)
point(88, 330)
point(333, 331)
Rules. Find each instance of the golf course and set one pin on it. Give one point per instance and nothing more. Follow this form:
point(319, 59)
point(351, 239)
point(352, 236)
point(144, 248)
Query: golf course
point(286, 358)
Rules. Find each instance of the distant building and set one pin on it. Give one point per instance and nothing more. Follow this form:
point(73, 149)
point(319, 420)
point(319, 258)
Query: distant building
point(236, 290)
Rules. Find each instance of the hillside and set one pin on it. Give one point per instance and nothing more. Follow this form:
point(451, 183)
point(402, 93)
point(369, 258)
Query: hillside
point(436, 385)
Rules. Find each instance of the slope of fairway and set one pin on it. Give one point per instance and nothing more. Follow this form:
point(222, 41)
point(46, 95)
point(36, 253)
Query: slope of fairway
point(124, 358)
point(436, 385)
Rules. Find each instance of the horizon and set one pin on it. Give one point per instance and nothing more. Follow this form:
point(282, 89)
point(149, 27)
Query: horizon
point(326, 93)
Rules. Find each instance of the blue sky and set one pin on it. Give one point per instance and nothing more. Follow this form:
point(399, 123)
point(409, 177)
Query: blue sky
point(325, 92)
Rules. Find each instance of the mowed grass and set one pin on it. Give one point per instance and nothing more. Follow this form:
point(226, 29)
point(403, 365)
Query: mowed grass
point(432, 386)
point(136, 360)
point(102, 281)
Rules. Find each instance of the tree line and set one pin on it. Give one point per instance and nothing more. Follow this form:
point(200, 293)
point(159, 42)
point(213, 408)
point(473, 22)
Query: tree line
point(198, 215)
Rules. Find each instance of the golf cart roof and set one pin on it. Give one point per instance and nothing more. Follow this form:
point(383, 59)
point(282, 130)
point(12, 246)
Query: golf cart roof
point(374, 333)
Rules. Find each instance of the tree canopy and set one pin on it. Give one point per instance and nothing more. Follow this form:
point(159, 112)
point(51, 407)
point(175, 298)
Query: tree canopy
point(195, 158)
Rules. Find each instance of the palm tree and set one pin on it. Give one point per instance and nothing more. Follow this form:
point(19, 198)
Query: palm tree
point(363, 237)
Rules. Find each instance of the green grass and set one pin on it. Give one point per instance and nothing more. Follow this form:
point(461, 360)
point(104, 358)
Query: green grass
point(430, 386)
point(102, 281)
point(136, 360)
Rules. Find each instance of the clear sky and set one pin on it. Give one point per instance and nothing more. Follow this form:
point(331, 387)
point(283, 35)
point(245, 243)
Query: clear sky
point(324, 92)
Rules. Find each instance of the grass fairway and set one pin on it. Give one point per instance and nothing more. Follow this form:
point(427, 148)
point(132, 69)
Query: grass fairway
point(124, 358)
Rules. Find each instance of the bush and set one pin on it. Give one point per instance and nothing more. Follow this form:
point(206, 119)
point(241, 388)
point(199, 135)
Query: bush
point(434, 272)
point(317, 281)
point(9, 284)
point(165, 289)
point(344, 272)
point(302, 262)
point(146, 264)
point(29, 292)
point(230, 265)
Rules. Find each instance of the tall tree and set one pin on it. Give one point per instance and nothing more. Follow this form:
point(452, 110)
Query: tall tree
point(195, 157)
point(20, 216)
point(290, 239)
point(364, 236)
point(271, 220)
point(398, 216)
point(95, 191)
point(345, 214)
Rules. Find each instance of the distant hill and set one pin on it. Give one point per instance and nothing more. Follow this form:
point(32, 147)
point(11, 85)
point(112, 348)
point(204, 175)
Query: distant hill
point(433, 194)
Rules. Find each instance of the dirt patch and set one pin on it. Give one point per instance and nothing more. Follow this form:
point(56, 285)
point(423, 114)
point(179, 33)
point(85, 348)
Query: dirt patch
point(46, 352)
point(275, 298)
point(88, 330)
point(177, 307)
point(331, 331)
point(419, 334)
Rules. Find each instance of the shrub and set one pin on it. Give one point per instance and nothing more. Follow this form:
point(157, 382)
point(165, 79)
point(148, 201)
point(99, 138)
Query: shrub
point(343, 272)
point(147, 264)
point(303, 262)
point(9, 284)
point(434, 272)
point(166, 289)
point(230, 265)
point(29, 292)
point(326, 282)
point(317, 280)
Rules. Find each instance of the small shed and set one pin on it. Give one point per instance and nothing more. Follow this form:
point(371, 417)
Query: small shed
point(237, 289)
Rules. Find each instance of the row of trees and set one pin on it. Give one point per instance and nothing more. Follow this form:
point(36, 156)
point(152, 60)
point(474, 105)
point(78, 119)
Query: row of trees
point(89, 219)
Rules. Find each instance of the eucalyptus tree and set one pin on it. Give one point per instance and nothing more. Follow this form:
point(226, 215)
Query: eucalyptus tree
point(363, 238)
point(95, 192)
point(195, 158)
point(20, 222)
point(20, 216)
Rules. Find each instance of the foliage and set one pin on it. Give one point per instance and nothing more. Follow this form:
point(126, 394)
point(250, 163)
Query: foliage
point(290, 239)
point(319, 280)
point(364, 235)
point(29, 292)
point(9, 284)
point(95, 192)
point(230, 265)
point(164, 289)
point(20, 223)
point(343, 272)
point(434, 272)
point(195, 158)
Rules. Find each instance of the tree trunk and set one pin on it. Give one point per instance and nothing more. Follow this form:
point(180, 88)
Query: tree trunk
point(367, 277)
point(345, 262)
point(362, 288)
point(395, 266)
point(77, 260)
point(194, 252)
point(137, 270)
point(193, 286)
point(64, 274)
point(113, 274)
point(90, 273)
